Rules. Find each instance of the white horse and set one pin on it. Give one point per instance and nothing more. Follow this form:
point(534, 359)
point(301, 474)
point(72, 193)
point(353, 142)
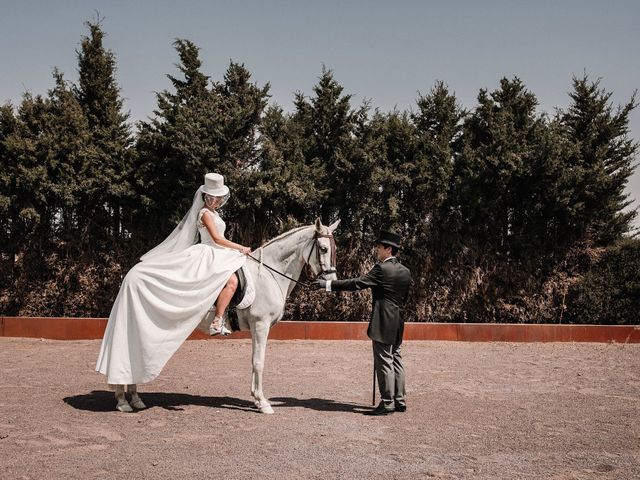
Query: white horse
point(287, 254)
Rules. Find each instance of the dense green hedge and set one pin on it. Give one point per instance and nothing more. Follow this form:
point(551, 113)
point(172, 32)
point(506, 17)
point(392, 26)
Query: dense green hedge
point(609, 292)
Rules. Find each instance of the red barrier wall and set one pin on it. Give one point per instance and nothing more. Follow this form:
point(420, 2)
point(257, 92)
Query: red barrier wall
point(60, 328)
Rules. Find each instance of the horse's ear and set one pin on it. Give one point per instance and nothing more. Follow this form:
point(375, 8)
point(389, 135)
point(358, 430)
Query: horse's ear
point(334, 225)
point(318, 225)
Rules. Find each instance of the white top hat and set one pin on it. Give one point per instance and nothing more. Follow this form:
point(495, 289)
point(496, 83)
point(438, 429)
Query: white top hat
point(214, 185)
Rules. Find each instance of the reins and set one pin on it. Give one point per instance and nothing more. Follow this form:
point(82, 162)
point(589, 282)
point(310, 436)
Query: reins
point(305, 284)
point(315, 241)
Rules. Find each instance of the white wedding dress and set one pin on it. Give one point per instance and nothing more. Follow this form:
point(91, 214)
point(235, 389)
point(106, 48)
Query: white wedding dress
point(161, 301)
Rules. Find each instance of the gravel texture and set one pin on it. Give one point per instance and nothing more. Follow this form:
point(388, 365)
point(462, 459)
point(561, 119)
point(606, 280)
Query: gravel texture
point(475, 410)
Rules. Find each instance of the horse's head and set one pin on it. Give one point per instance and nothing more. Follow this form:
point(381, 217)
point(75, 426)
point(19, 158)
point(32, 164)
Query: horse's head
point(322, 255)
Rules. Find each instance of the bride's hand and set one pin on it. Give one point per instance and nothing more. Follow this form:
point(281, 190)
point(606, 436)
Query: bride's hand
point(245, 250)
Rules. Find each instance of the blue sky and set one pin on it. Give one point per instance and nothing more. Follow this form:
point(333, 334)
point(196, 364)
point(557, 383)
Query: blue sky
point(379, 50)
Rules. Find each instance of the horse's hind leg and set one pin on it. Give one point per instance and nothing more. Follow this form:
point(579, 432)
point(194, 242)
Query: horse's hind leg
point(122, 404)
point(259, 334)
point(136, 402)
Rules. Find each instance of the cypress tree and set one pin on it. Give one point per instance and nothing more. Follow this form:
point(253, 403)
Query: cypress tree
point(602, 160)
point(177, 146)
point(8, 171)
point(71, 147)
point(44, 152)
point(242, 104)
point(106, 178)
point(286, 184)
point(438, 123)
point(198, 129)
point(27, 149)
point(329, 121)
point(500, 141)
point(392, 171)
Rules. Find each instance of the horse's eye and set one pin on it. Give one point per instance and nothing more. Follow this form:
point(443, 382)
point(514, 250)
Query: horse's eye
point(324, 249)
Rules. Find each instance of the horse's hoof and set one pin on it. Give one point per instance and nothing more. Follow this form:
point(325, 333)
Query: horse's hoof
point(138, 404)
point(124, 407)
point(266, 409)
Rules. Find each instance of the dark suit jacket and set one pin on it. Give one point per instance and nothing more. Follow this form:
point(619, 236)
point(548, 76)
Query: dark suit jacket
point(389, 283)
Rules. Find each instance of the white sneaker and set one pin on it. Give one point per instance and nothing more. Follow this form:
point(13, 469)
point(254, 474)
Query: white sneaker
point(218, 327)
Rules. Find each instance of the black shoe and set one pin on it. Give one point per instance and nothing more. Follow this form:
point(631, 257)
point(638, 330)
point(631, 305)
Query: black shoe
point(401, 408)
point(379, 410)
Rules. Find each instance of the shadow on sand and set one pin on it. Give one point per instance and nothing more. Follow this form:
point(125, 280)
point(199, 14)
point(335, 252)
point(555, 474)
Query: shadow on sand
point(103, 401)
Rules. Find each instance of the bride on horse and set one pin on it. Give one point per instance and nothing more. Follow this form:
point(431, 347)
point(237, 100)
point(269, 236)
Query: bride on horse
point(164, 297)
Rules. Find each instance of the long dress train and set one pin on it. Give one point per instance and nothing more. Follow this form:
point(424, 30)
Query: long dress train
point(161, 301)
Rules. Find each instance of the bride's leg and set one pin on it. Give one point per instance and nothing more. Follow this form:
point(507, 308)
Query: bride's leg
point(218, 324)
point(226, 295)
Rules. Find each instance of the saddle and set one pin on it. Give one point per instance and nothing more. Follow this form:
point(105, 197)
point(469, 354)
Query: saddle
point(241, 290)
point(232, 314)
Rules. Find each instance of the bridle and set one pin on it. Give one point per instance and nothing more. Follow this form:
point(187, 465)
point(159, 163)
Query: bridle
point(315, 246)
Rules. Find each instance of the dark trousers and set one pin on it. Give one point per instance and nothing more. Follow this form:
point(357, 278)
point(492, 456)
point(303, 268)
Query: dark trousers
point(389, 369)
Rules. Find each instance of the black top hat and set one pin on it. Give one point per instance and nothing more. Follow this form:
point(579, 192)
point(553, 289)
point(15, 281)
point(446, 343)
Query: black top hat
point(389, 238)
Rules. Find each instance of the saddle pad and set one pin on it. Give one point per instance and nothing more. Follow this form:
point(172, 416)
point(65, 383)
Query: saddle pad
point(249, 289)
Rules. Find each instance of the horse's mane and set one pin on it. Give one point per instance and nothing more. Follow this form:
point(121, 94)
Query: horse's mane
point(285, 234)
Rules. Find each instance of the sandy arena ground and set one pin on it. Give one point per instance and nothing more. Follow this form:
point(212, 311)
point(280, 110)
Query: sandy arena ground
point(475, 410)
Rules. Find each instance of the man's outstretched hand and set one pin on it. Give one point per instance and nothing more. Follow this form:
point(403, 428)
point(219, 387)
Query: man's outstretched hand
point(319, 284)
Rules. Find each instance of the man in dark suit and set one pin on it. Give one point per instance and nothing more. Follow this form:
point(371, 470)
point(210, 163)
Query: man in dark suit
point(389, 282)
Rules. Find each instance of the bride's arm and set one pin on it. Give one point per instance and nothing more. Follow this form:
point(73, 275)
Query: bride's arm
point(218, 238)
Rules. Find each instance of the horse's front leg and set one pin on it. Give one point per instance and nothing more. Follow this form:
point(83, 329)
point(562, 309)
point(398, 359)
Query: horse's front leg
point(259, 334)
